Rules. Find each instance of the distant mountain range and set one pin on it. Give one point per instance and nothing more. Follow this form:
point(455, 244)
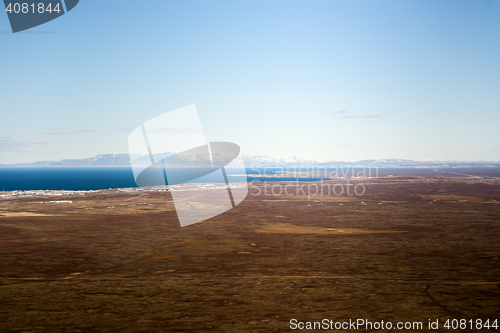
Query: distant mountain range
point(258, 161)
point(267, 161)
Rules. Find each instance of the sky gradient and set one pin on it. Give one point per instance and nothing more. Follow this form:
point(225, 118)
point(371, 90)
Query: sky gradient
point(324, 80)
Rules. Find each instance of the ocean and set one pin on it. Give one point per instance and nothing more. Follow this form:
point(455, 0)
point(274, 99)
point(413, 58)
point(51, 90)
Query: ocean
point(95, 178)
point(84, 179)
point(12, 179)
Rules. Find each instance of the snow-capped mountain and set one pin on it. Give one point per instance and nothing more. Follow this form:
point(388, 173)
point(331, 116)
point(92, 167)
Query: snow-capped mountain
point(123, 160)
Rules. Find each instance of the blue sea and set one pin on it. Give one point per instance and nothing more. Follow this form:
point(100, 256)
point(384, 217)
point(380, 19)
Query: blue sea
point(75, 179)
point(95, 178)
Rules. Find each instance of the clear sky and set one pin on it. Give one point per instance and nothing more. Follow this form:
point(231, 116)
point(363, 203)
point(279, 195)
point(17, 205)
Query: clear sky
point(325, 80)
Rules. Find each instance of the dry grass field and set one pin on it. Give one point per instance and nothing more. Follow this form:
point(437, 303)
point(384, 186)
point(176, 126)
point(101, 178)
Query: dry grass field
point(120, 262)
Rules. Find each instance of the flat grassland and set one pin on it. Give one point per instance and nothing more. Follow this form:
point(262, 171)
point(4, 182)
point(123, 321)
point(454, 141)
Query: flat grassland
point(410, 249)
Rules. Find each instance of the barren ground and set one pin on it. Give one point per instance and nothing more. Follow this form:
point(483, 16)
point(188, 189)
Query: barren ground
point(113, 262)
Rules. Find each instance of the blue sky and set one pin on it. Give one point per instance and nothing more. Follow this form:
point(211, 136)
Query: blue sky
point(326, 80)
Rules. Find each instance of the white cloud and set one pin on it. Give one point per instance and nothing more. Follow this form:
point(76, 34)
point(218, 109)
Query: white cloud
point(362, 117)
point(176, 131)
point(8, 144)
point(57, 133)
